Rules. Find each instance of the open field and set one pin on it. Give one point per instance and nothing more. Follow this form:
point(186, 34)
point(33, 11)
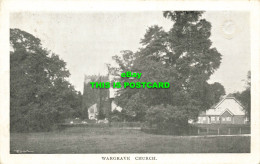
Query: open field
point(116, 140)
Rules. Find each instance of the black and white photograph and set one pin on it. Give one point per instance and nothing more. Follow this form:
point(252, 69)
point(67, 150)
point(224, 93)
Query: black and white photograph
point(131, 82)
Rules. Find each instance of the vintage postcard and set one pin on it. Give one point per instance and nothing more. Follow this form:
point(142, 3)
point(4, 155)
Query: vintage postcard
point(130, 82)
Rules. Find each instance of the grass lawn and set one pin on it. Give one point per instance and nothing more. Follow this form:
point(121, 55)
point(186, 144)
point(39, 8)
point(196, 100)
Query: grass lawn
point(114, 140)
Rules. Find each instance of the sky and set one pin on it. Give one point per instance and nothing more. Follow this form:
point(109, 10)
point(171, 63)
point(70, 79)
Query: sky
point(87, 41)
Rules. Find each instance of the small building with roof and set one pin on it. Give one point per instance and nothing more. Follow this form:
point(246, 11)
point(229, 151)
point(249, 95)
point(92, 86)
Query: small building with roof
point(228, 111)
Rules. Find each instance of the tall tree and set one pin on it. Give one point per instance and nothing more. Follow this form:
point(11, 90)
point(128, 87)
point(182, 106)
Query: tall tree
point(40, 95)
point(212, 94)
point(183, 56)
point(245, 96)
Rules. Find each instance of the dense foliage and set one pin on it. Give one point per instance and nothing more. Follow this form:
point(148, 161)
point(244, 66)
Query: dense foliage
point(245, 96)
point(40, 94)
point(183, 56)
point(167, 117)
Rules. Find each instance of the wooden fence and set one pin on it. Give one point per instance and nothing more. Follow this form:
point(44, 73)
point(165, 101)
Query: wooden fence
point(203, 129)
point(223, 130)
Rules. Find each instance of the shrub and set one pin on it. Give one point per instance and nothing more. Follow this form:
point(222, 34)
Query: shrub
point(167, 118)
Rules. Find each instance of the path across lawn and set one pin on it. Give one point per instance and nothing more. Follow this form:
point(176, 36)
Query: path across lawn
point(116, 140)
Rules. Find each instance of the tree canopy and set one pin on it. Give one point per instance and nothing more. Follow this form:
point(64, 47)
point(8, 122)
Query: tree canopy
point(40, 94)
point(183, 56)
point(245, 96)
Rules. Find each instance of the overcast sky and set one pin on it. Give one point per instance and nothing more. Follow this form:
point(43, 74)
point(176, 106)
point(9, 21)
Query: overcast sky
point(86, 41)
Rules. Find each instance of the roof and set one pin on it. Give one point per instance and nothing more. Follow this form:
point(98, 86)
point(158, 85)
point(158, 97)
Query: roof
point(227, 110)
point(219, 111)
point(228, 98)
